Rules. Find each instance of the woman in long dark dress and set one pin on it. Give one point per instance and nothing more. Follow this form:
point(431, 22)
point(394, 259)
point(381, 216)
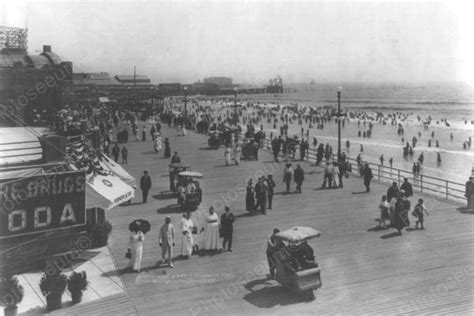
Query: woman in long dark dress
point(250, 198)
point(402, 207)
point(167, 148)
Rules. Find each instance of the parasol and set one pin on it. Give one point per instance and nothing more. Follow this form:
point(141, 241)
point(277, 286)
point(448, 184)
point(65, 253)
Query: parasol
point(140, 225)
point(298, 234)
point(192, 174)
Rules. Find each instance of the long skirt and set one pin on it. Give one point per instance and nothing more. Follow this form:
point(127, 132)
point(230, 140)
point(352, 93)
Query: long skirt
point(137, 255)
point(228, 159)
point(212, 236)
point(187, 245)
point(237, 159)
point(249, 203)
point(157, 146)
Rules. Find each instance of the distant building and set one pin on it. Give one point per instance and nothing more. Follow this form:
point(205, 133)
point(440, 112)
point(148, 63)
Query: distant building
point(219, 81)
point(97, 81)
point(101, 84)
point(169, 88)
point(31, 86)
point(138, 79)
point(275, 85)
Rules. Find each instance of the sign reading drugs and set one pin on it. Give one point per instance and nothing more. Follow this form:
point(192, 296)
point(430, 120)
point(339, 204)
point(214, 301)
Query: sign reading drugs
point(42, 202)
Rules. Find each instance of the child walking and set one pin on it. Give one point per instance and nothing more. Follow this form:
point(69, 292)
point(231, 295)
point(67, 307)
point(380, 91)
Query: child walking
point(418, 212)
point(384, 206)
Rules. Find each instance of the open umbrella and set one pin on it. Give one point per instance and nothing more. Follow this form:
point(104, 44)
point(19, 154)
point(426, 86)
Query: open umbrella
point(140, 225)
point(298, 234)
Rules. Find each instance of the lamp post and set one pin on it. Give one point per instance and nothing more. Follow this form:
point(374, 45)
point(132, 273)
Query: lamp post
point(236, 120)
point(339, 91)
point(185, 108)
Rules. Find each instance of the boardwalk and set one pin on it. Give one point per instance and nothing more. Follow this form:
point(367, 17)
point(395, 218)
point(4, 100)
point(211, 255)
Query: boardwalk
point(364, 270)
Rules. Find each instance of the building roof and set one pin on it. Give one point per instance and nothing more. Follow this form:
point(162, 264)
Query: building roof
point(48, 60)
point(7, 60)
point(53, 58)
point(38, 61)
point(20, 145)
point(131, 79)
point(95, 78)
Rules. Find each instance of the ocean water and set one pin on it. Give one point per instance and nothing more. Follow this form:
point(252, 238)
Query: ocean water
point(453, 102)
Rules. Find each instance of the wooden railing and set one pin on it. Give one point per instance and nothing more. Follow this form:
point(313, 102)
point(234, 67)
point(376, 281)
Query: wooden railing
point(441, 188)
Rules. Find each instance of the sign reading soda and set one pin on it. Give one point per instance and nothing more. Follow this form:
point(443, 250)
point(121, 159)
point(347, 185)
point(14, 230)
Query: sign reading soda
point(42, 202)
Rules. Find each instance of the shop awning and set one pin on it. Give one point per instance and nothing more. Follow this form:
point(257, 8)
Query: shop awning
point(19, 174)
point(20, 145)
point(118, 171)
point(107, 191)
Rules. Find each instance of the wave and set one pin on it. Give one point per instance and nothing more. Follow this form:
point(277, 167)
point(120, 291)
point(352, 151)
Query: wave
point(401, 102)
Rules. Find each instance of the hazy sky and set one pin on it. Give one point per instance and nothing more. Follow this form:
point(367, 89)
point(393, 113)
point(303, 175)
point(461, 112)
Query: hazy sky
point(252, 42)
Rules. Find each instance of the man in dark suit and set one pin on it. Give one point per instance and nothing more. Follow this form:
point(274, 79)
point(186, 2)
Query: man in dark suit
point(469, 193)
point(175, 158)
point(367, 173)
point(406, 186)
point(271, 186)
point(392, 191)
point(298, 176)
point(276, 145)
point(258, 194)
point(145, 185)
point(227, 228)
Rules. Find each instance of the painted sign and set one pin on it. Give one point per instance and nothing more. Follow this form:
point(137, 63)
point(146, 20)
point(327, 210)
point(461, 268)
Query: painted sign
point(41, 203)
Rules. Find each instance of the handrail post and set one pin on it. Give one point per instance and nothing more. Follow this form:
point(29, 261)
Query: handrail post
point(421, 182)
point(447, 194)
point(379, 171)
point(398, 175)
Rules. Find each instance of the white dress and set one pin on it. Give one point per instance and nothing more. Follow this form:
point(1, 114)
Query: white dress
point(136, 247)
point(228, 156)
point(212, 232)
point(187, 241)
point(158, 144)
point(237, 153)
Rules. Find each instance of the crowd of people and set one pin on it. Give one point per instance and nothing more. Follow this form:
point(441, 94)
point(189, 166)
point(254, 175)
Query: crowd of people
point(395, 206)
point(193, 240)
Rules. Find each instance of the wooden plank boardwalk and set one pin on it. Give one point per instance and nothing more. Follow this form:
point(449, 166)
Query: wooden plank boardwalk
point(364, 270)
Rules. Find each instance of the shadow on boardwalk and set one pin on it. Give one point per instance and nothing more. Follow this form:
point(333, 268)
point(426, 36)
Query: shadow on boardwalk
point(169, 209)
point(270, 294)
point(465, 210)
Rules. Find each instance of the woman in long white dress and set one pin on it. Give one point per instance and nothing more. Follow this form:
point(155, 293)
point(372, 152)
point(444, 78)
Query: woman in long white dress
point(212, 230)
point(158, 144)
point(136, 248)
point(187, 241)
point(228, 156)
